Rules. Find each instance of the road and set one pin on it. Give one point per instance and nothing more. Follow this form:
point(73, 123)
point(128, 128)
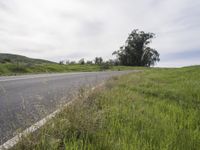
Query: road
point(27, 99)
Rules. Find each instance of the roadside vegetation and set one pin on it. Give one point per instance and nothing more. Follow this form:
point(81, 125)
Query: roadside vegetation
point(154, 109)
point(17, 69)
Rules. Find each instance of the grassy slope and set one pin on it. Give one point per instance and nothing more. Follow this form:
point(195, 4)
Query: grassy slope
point(14, 69)
point(22, 59)
point(11, 69)
point(154, 109)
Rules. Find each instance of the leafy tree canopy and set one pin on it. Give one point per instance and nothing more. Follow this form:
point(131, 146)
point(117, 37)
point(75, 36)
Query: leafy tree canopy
point(136, 51)
point(98, 60)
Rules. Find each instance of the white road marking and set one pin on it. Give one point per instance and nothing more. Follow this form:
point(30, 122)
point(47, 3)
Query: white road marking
point(12, 142)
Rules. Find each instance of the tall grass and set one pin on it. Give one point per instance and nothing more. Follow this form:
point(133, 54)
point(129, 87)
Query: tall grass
point(155, 109)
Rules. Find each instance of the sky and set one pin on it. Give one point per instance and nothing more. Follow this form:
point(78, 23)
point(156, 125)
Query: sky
point(74, 29)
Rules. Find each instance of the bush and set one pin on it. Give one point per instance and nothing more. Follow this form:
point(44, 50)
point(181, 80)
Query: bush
point(104, 66)
point(5, 60)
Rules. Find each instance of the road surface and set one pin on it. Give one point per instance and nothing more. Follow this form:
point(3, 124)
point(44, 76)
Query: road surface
point(26, 99)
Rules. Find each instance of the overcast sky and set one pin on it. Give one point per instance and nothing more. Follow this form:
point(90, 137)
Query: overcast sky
point(74, 29)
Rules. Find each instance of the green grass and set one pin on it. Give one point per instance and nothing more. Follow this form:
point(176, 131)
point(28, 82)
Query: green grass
point(157, 109)
point(14, 69)
point(13, 58)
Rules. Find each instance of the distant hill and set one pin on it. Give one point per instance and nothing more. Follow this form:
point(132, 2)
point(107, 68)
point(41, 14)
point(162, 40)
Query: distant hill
point(12, 58)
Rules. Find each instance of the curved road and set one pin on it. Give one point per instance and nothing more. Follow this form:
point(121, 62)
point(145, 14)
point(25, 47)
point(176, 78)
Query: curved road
point(26, 99)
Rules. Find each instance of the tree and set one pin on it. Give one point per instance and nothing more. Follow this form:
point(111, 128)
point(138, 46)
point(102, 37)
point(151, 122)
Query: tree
point(98, 60)
point(89, 62)
point(136, 52)
point(81, 61)
point(72, 62)
point(105, 66)
point(67, 62)
point(61, 62)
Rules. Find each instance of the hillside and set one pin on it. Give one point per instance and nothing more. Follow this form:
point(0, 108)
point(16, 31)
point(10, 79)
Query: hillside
point(12, 58)
point(15, 65)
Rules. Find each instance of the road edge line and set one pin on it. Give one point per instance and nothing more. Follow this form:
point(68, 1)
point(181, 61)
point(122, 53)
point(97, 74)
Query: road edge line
point(16, 139)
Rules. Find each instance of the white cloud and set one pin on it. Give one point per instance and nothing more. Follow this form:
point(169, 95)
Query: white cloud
point(56, 29)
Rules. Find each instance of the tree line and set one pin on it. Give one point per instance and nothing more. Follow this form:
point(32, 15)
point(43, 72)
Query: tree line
point(135, 52)
point(96, 61)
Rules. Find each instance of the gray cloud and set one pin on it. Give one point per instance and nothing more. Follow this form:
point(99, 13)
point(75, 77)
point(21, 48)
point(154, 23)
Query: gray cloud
point(5, 5)
point(91, 28)
point(184, 55)
point(54, 29)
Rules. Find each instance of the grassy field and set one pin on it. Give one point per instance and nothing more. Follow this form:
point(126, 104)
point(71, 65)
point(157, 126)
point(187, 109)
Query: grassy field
point(156, 109)
point(17, 69)
point(12, 69)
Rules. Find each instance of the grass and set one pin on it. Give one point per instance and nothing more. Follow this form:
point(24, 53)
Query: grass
point(157, 109)
point(13, 58)
point(23, 68)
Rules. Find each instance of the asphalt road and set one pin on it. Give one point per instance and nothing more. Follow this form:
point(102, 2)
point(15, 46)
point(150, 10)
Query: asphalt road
point(26, 99)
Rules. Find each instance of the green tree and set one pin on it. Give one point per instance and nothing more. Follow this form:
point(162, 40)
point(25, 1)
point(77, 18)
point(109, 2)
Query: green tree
point(81, 61)
point(136, 52)
point(98, 60)
point(61, 62)
point(89, 62)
